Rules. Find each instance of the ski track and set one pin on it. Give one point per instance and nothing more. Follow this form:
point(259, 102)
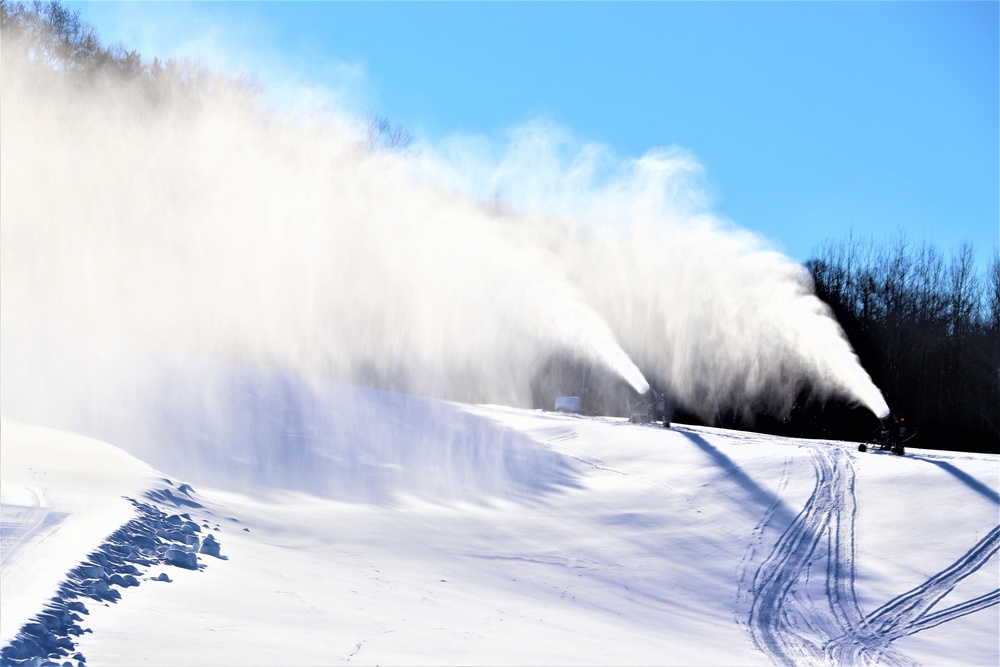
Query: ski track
point(153, 538)
point(787, 621)
point(20, 524)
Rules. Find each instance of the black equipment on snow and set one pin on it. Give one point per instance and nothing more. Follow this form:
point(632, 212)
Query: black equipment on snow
point(651, 407)
point(890, 436)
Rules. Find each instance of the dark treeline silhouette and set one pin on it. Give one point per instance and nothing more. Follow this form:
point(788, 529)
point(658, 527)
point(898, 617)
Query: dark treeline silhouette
point(926, 326)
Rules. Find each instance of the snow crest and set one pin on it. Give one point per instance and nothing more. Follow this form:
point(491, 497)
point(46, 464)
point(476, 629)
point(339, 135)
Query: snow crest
point(153, 538)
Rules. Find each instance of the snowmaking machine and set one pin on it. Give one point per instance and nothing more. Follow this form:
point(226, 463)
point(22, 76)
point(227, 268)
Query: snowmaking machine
point(890, 435)
point(651, 407)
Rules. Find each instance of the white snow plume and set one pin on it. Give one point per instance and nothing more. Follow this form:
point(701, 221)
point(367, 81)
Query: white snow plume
point(719, 317)
point(214, 226)
point(217, 227)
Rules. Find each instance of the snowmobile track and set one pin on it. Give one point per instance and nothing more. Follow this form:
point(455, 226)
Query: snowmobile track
point(909, 613)
point(788, 623)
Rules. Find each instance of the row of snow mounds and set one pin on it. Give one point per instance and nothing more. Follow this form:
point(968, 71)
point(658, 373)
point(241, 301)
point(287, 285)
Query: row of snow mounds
point(153, 538)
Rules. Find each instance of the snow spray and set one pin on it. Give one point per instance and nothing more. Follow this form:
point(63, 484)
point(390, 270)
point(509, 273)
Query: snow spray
point(214, 226)
point(717, 315)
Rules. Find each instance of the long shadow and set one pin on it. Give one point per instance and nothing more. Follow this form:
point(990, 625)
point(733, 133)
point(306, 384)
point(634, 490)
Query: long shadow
point(968, 480)
point(758, 494)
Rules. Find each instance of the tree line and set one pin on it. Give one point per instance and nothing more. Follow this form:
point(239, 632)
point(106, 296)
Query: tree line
point(926, 326)
point(924, 323)
point(55, 45)
point(54, 42)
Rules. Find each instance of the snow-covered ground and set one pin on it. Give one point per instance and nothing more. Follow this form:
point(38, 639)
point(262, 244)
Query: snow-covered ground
point(388, 529)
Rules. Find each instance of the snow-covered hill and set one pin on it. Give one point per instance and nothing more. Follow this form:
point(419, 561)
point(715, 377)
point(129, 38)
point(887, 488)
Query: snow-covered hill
point(388, 529)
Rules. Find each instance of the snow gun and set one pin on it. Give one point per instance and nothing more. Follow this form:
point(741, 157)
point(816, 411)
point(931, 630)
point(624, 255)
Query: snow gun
point(889, 436)
point(651, 407)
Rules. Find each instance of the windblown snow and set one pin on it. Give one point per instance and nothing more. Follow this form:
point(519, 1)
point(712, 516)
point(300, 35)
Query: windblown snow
point(323, 524)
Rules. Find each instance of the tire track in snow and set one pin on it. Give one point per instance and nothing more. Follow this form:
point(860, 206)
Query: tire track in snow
point(19, 524)
point(776, 622)
point(909, 613)
point(746, 591)
point(907, 608)
point(790, 623)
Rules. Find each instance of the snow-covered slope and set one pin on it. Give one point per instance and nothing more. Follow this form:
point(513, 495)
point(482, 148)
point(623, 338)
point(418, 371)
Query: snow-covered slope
point(412, 531)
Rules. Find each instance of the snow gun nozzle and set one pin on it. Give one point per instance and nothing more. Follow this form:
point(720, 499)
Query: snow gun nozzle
point(891, 419)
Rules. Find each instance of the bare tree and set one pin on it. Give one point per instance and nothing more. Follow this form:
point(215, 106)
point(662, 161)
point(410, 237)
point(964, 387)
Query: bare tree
point(383, 135)
point(963, 292)
point(927, 327)
point(993, 295)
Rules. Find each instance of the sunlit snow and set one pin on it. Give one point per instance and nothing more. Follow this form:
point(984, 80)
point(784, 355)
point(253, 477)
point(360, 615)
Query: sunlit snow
point(459, 534)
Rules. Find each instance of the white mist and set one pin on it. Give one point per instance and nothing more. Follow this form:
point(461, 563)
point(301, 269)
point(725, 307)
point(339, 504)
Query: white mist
point(215, 227)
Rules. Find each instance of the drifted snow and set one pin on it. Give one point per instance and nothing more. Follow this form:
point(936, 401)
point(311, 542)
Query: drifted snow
point(60, 496)
point(590, 541)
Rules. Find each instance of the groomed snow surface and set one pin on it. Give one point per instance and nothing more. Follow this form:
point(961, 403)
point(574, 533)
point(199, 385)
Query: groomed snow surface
point(388, 529)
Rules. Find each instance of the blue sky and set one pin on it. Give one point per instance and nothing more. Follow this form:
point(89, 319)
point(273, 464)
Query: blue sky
point(810, 119)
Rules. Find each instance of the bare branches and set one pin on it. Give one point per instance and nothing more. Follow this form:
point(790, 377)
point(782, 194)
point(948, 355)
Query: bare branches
point(383, 135)
point(993, 296)
point(55, 44)
point(926, 325)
